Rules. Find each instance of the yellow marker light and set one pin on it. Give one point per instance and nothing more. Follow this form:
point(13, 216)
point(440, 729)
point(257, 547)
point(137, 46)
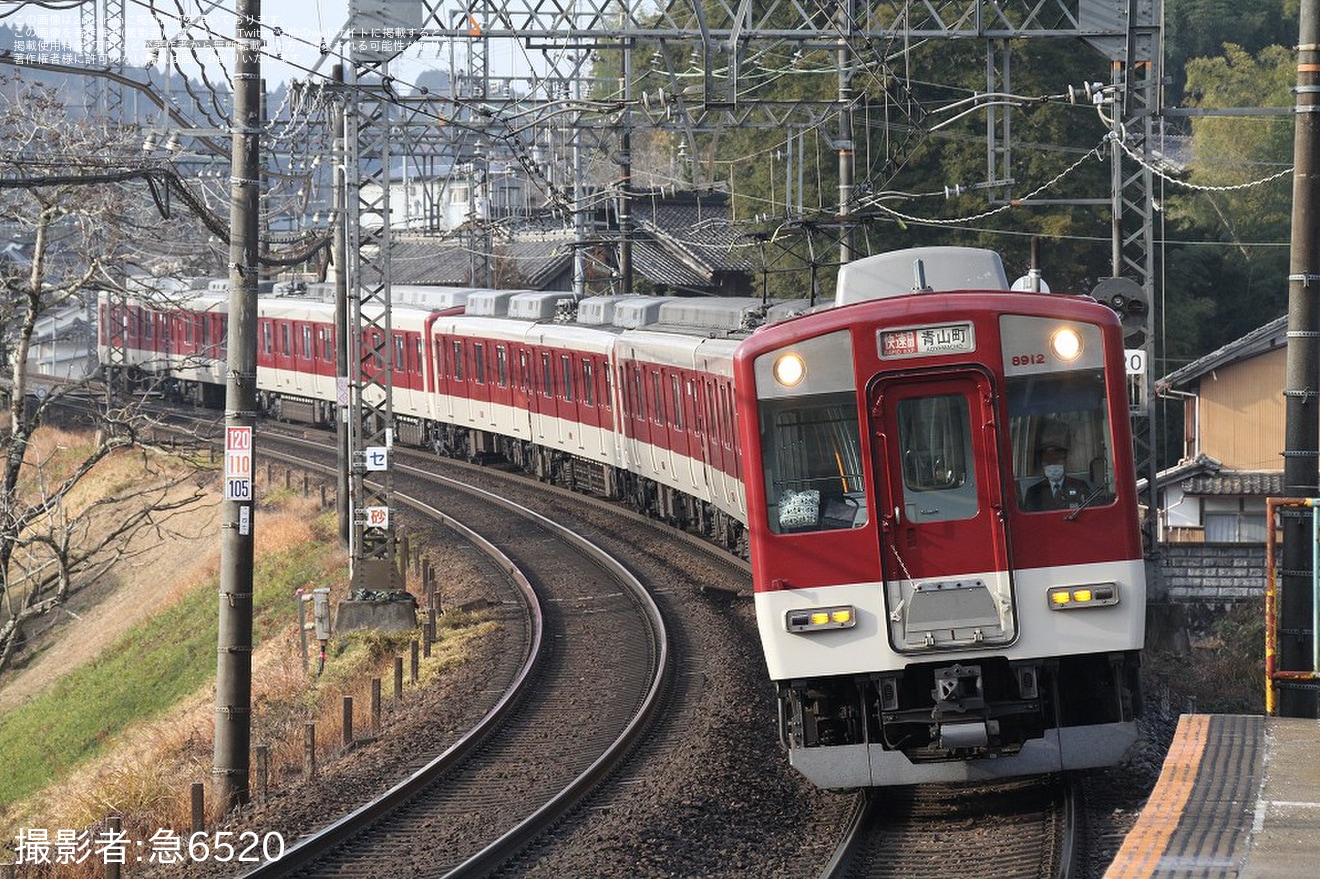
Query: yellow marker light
point(1082, 597)
point(820, 619)
point(1066, 343)
point(789, 370)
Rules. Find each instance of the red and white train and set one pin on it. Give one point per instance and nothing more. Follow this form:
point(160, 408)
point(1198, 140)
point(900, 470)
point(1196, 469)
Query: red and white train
point(933, 478)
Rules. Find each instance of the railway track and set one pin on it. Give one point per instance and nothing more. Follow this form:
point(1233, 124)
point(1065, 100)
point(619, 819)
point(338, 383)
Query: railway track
point(564, 726)
point(1021, 829)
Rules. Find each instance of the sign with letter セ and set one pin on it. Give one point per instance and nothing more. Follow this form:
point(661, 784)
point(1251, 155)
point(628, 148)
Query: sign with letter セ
point(238, 463)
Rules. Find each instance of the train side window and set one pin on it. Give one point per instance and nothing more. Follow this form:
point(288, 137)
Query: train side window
point(267, 341)
point(813, 463)
point(1061, 420)
point(416, 365)
point(458, 360)
point(327, 349)
point(547, 376)
point(286, 348)
point(479, 362)
point(566, 368)
point(713, 431)
point(658, 398)
point(588, 382)
point(307, 341)
point(696, 411)
point(525, 371)
point(676, 397)
point(502, 365)
point(726, 417)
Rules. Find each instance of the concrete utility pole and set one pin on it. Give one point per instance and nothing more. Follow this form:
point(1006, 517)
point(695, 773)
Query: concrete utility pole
point(1297, 636)
point(233, 684)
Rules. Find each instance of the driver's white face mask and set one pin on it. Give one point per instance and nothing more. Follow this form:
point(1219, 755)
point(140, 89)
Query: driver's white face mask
point(1053, 472)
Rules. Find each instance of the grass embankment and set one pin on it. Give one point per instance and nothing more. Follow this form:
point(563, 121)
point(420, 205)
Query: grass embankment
point(129, 729)
point(145, 672)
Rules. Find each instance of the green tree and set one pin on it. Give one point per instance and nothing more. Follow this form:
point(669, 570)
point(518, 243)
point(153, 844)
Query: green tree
point(1239, 194)
point(1198, 28)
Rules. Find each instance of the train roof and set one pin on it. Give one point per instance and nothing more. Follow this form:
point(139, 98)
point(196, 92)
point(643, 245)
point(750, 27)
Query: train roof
point(727, 313)
point(671, 349)
point(295, 309)
point(710, 317)
point(597, 340)
point(431, 298)
point(637, 311)
point(491, 303)
point(542, 305)
point(700, 315)
point(186, 299)
point(919, 270)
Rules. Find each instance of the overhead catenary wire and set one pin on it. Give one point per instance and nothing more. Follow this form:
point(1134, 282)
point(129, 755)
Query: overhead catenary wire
point(517, 123)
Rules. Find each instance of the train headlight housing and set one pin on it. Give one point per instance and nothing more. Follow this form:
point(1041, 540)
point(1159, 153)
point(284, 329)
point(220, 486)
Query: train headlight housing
point(821, 619)
point(1075, 597)
point(1066, 343)
point(790, 369)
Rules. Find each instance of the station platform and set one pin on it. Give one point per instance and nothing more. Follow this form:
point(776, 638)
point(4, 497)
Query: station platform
point(1239, 796)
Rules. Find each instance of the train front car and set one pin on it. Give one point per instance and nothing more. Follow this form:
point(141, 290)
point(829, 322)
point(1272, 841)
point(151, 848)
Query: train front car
point(942, 509)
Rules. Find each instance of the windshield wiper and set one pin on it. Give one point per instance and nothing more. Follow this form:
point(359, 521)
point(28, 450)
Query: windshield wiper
point(1086, 502)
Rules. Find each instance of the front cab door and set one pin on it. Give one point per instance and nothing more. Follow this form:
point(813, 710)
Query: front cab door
point(943, 536)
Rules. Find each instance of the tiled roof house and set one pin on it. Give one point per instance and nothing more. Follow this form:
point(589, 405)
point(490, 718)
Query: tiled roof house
point(1233, 439)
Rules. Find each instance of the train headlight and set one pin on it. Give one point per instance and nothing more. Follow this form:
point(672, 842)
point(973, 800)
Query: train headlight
point(1066, 343)
point(789, 370)
point(820, 619)
point(1072, 597)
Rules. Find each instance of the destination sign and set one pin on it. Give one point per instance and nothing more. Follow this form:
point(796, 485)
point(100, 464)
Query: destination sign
point(956, 338)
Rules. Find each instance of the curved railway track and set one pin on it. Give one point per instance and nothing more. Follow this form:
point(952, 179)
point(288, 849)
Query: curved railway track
point(567, 722)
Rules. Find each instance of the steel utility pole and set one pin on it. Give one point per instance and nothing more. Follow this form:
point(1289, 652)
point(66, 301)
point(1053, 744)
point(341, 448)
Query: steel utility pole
point(846, 145)
point(1297, 636)
point(233, 684)
point(343, 511)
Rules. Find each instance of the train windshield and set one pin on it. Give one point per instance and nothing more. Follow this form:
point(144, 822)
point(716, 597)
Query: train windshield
point(813, 464)
point(1062, 446)
point(935, 445)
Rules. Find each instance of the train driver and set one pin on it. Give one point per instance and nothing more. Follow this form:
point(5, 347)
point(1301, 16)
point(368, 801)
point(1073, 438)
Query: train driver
point(1057, 490)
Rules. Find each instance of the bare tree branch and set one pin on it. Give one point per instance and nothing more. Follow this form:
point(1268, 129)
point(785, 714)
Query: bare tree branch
point(73, 199)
